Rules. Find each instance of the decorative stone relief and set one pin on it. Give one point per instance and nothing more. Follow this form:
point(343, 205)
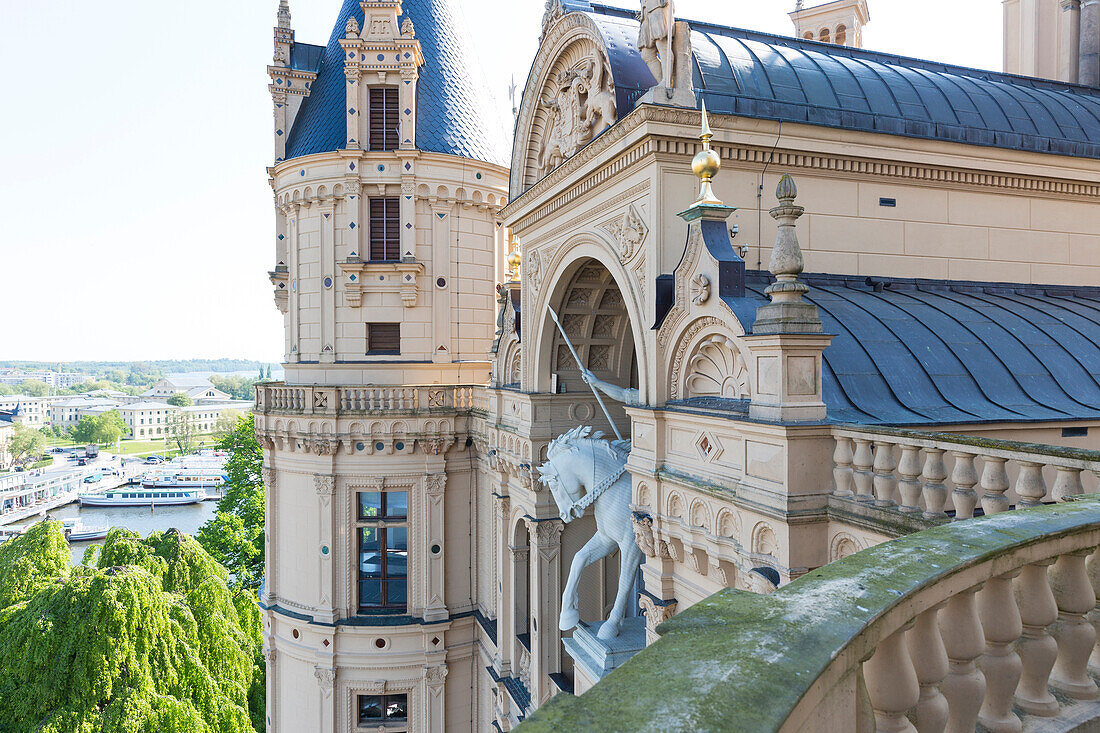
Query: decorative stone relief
point(656, 613)
point(551, 15)
point(532, 269)
point(643, 534)
point(577, 105)
point(842, 546)
point(435, 484)
point(717, 369)
point(407, 27)
point(700, 289)
point(629, 231)
point(325, 485)
point(435, 675)
point(325, 677)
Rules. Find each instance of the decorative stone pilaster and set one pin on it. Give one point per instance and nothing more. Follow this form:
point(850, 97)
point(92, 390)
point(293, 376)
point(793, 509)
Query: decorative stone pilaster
point(506, 628)
point(545, 604)
point(787, 339)
point(434, 488)
point(272, 686)
point(325, 486)
point(435, 680)
point(326, 680)
point(271, 518)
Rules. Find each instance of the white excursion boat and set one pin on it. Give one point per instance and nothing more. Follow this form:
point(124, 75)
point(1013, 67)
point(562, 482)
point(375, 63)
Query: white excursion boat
point(76, 531)
point(143, 496)
point(184, 478)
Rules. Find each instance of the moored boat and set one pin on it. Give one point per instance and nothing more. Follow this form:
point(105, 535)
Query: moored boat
point(143, 496)
point(76, 531)
point(186, 478)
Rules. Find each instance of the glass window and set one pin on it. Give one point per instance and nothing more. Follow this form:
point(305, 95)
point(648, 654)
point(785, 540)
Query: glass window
point(383, 707)
point(383, 550)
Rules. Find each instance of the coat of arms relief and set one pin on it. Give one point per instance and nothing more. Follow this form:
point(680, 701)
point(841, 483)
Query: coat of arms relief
point(578, 104)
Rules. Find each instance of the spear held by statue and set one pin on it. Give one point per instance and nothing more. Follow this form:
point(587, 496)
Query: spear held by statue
point(599, 399)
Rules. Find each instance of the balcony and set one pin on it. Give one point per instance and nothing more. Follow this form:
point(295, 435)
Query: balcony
point(277, 399)
point(984, 622)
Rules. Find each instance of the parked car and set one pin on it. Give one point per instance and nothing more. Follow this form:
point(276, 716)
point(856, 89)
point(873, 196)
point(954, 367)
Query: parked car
point(82, 462)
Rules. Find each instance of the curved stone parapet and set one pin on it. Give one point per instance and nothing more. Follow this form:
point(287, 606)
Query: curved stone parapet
point(959, 623)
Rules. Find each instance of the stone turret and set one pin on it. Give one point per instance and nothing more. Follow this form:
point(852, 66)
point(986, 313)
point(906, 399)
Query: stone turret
point(840, 22)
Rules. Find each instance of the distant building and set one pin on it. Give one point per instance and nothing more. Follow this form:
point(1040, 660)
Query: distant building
point(34, 411)
point(67, 413)
point(198, 389)
point(840, 22)
point(7, 430)
point(151, 419)
point(59, 380)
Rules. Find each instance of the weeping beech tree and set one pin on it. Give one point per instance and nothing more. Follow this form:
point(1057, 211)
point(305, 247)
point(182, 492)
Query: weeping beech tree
point(144, 637)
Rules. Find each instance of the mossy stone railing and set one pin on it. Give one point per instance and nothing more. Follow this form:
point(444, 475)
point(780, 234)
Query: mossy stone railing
point(792, 660)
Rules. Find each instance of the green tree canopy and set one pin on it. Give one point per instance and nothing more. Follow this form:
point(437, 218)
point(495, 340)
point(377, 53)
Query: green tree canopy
point(25, 443)
point(235, 536)
point(146, 637)
point(34, 388)
point(180, 399)
point(102, 429)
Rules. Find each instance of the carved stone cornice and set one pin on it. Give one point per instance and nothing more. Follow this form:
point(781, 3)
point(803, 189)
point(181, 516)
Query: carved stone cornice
point(361, 276)
point(836, 166)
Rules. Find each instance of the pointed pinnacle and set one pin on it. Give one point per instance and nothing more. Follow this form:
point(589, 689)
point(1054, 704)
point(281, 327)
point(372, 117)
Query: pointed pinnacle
point(706, 134)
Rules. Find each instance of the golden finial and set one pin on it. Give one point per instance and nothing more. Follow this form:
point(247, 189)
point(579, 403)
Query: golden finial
point(515, 259)
point(706, 164)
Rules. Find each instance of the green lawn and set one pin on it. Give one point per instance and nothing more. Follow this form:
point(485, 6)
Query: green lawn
point(140, 447)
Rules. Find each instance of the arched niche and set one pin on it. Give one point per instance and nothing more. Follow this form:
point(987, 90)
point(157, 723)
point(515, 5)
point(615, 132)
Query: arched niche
point(567, 275)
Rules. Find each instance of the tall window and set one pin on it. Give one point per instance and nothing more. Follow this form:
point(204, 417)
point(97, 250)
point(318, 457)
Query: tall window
point(376, 708)
point(384, 123)
point(841, 35)
point(385, 229)
point(383, 339)
point(383, 550)
point(824, 35)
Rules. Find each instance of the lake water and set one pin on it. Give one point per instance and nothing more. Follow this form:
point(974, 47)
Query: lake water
point(186, 519)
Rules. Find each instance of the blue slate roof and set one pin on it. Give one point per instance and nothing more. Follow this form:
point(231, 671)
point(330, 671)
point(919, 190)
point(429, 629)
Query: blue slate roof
point(455, 112)
point(924, 352)
point(758, 75)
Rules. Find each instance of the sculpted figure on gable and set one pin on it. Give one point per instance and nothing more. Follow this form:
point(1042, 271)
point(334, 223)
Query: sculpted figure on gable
point(655, 38)
point(580, 104)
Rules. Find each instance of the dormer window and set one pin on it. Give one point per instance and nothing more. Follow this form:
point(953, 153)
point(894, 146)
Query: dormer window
point(385, 125)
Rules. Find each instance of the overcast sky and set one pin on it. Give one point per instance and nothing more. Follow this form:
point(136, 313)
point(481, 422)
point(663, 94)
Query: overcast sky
point(135, 134)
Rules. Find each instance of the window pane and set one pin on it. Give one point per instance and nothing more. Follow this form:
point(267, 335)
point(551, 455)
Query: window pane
point(370, 504)
point(370, 553)
point(370, 708)
point(396, 592)
point(370, 593)
point(397, 707)
point(397, 550)
point(397, 504)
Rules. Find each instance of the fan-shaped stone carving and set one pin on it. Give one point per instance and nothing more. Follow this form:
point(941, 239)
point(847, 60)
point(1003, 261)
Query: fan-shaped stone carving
point(717, 369)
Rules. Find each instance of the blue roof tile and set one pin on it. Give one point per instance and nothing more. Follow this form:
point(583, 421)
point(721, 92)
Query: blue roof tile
point(925, 352)
point(455, 111)
point(759, 75)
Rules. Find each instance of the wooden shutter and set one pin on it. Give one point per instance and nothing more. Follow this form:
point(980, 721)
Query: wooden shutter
point(385, 229)
point(384, 122)
point(384, 338)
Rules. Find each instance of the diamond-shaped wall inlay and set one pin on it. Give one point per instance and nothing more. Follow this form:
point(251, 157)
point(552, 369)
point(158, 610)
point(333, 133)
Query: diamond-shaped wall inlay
point(353, 166)
point(279, 133)
point(408, 226)
point(352, 225)
point(408, 111)
point(708, 446)
point(408, 166)
point(351, 111)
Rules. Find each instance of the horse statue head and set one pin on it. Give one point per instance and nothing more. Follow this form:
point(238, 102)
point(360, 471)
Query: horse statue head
point(579, 461)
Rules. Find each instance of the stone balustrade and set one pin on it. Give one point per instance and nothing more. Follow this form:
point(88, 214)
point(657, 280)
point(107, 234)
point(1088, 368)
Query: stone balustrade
point(932, 474)
point(990, 622)
point(277, 398)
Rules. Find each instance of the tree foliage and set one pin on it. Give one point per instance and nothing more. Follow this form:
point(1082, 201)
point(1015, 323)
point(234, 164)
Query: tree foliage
point(240, 388)
point(25, 443)
point(181, 428)
point(180, 399)
point(145, 638)
point(102, 429)
point(235, 536)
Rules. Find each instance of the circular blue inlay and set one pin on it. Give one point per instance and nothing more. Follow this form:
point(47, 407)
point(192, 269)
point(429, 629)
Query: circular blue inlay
point(478, 176)
point(294, 286)
point(359, 446)
point(399, 445)
point(381, 167)
point(324, 550)
point(302, 173)
point(328, 282)
point(381, 57)
point(379, 446)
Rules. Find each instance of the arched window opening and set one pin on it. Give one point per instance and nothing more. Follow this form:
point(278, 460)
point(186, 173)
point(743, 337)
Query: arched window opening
point(809, 36)
point(841, 35)
point(824, 35)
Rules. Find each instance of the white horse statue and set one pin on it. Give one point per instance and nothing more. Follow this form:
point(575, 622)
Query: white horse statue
point(582, 469)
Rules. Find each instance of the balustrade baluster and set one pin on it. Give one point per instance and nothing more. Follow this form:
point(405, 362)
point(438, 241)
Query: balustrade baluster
point(1075, 636)
point(933, 488)
point(930, 664)
point(994, 485)
point(863, 460)
point(892, 684)
point(964, 477)
point(1067, 483)
point(964, 686)
point(1030, 486)
point(1092, 566)
point(909, 485)
point(1036, 647)
point(1000, 663)
point(842, 467)
point(885, 482)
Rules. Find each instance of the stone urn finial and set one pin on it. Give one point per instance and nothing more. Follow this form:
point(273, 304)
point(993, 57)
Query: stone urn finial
point(351, 30)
